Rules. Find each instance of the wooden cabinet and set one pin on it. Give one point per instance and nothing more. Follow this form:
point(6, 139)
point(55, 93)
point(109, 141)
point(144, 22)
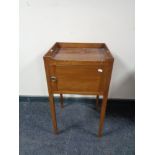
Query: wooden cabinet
point(78, 68)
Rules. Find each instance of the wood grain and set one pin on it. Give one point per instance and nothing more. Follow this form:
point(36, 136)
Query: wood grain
point(78, 68)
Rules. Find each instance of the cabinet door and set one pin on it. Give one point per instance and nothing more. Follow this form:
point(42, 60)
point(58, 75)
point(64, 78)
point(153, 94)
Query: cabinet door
point(80, 78)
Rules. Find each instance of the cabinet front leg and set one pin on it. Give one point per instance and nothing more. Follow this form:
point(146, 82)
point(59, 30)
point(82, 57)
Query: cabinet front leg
point(53, 113)
point(102, 115)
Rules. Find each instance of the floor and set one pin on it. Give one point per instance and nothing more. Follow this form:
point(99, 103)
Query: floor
point(78, 123)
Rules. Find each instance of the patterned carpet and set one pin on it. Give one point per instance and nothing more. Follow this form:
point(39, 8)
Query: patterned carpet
point(78, 125)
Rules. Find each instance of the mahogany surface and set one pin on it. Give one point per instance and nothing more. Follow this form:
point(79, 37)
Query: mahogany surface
point(78, 68)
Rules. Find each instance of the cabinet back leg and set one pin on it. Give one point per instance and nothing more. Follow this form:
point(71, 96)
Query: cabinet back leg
point(97, 101)
point(61, 101)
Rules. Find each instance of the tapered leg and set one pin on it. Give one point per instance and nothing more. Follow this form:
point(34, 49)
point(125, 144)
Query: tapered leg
point(97, 98)
point(102, 115)
point(61, 100)
point(53, 113)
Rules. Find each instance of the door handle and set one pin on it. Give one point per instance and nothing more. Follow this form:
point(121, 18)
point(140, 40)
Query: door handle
point(53, 78)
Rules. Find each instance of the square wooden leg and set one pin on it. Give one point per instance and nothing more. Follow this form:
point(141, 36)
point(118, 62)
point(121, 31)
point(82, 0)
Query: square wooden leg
point(61, 101)
point(97, 101)
point(53, 113)
point(102, 115)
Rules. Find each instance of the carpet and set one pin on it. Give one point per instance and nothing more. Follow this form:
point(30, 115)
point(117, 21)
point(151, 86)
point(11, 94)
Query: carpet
point(78, 126)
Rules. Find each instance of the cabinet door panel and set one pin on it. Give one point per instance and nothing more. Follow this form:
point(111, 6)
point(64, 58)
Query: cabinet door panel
point(77, 78)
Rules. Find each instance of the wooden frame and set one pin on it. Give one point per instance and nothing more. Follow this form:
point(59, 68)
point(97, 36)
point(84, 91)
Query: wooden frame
point(78, 68)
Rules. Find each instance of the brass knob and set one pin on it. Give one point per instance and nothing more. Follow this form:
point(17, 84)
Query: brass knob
point(53, 78)
point(100, 70)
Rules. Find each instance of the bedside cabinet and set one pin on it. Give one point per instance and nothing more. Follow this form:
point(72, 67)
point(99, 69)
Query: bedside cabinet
point(78, 68)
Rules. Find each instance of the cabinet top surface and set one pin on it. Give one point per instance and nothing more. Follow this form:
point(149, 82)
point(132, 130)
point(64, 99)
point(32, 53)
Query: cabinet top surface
point(79, 52)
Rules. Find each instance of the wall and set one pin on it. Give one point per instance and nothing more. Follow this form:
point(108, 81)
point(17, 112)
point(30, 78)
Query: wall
point(43, 22)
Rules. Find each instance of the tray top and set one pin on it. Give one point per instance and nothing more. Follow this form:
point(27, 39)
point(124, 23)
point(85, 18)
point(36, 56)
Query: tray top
point(79, 52)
